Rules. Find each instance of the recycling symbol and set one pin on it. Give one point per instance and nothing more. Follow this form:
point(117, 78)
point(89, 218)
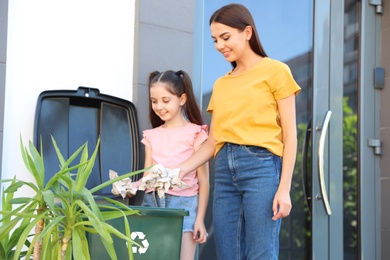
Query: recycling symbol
point(143, 241)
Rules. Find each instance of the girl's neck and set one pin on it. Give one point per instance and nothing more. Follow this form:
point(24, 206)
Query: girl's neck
point(175, 123)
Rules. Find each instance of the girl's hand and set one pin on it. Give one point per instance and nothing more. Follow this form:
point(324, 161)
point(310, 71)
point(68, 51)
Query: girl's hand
point(281, 205)
point(135, 185)
point(199, 235)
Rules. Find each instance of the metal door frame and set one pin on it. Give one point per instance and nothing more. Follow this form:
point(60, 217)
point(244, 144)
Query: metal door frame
point(327, 175)
point(369, 162)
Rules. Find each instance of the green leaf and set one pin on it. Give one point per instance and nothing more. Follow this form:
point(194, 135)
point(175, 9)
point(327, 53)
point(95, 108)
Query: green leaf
point(58, 152)
point(19, 200)
point(116, 204)
point(117, 214)
point(108, 215)
point(24, 235)
point(52, 225)
point(83, 159)
point(19, 183)
point(86, 194)
point(127, 233)
point(15, 236)
point(14, 187)
point(27, 209)
point(48, 196)
point(121, 177)
point(84, 175)
point(63, 163)
point(95, 221)
point(119, 234)
point(6, 228)
point(39, 165)
point(109, 248)
point(63, 171)
point(34, 168)
point(80, 245)
point(2, 252)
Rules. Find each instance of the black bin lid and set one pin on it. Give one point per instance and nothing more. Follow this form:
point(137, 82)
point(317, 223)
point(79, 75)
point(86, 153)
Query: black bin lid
point(74, 117)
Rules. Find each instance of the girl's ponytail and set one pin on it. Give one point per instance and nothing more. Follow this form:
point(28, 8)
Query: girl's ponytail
point(191, 108)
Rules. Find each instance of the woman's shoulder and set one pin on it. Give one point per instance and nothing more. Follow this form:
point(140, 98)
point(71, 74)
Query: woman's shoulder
point(274, 63)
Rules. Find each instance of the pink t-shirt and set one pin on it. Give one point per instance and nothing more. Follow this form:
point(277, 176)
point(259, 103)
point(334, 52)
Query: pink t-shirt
point(172, 146)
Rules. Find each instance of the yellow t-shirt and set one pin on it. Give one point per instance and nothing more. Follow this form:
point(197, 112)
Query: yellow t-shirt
point(244, 106)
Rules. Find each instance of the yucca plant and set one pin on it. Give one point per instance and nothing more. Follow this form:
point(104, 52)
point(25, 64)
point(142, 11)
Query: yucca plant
point(54, 223)
point(9, 241)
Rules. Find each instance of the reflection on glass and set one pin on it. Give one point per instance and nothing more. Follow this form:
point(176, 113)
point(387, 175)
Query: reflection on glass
point(350, 130)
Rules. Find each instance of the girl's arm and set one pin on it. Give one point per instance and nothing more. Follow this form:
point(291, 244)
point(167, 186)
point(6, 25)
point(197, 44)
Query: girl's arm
point(282, 202)
point(201, 156)
point(200, 232)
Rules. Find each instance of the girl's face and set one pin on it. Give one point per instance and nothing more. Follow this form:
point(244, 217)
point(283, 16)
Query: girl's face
point(231, 42)
point(165, 104)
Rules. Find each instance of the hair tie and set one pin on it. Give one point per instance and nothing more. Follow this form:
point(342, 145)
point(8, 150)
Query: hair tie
point(162, 73)
point(179, 73)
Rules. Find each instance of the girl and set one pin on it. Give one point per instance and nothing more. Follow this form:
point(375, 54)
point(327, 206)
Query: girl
point(177, 133)
point(252, 128)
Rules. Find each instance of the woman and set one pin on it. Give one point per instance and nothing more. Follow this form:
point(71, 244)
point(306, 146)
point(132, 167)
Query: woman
point(253, 139)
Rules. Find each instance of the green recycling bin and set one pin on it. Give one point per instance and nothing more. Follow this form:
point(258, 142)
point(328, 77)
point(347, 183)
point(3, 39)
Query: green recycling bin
point(158, 230)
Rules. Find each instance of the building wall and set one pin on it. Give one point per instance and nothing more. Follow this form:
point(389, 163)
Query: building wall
point(3, 59)
point(165, 41)
point(60, 45)
point(385, 132)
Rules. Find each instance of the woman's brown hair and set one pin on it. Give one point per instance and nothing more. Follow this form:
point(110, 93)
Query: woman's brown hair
point(238, 16)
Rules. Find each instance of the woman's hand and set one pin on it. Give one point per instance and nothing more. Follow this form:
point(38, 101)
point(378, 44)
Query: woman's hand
point(281, 205)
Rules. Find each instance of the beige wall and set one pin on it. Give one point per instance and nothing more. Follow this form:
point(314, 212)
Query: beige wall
point(3, 54)
point(385, 132)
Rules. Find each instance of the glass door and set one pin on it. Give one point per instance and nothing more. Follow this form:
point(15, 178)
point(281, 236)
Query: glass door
point(308, 35)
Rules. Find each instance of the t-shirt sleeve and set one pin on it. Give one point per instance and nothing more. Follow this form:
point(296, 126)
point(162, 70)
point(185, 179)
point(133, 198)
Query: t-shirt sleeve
point(146, 138)
point(201, 135)
point(210, 107)
point(283, 83)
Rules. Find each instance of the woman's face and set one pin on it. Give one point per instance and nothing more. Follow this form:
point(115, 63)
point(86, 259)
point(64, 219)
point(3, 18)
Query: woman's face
point(229, 41)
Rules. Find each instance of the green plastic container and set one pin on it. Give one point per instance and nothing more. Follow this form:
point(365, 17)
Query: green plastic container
point(159, 230)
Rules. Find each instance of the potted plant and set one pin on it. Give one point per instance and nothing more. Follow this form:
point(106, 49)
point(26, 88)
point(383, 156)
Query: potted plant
point(53, 224)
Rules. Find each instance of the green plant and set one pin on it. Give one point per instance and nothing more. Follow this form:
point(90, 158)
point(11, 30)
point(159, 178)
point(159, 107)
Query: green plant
point(8, 242)
point(62, 211)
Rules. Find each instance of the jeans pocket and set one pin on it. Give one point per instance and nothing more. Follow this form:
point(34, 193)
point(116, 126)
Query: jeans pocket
point(258, 151)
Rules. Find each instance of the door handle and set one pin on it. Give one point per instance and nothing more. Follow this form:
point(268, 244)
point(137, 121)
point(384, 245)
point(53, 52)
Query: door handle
point(321, 159)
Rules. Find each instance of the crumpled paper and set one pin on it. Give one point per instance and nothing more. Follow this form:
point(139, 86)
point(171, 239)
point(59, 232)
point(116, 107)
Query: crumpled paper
point(161, 179)
point(123, 187)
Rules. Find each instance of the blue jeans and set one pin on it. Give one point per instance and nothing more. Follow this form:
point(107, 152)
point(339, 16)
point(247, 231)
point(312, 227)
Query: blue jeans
point(246, 180)
point(190, 204)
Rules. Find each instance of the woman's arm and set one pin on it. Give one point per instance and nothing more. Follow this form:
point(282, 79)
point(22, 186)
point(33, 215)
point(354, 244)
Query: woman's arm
point(200, 232)
point(201, 156)
point(148, 159)
point(282, 202)
point(147, 162)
